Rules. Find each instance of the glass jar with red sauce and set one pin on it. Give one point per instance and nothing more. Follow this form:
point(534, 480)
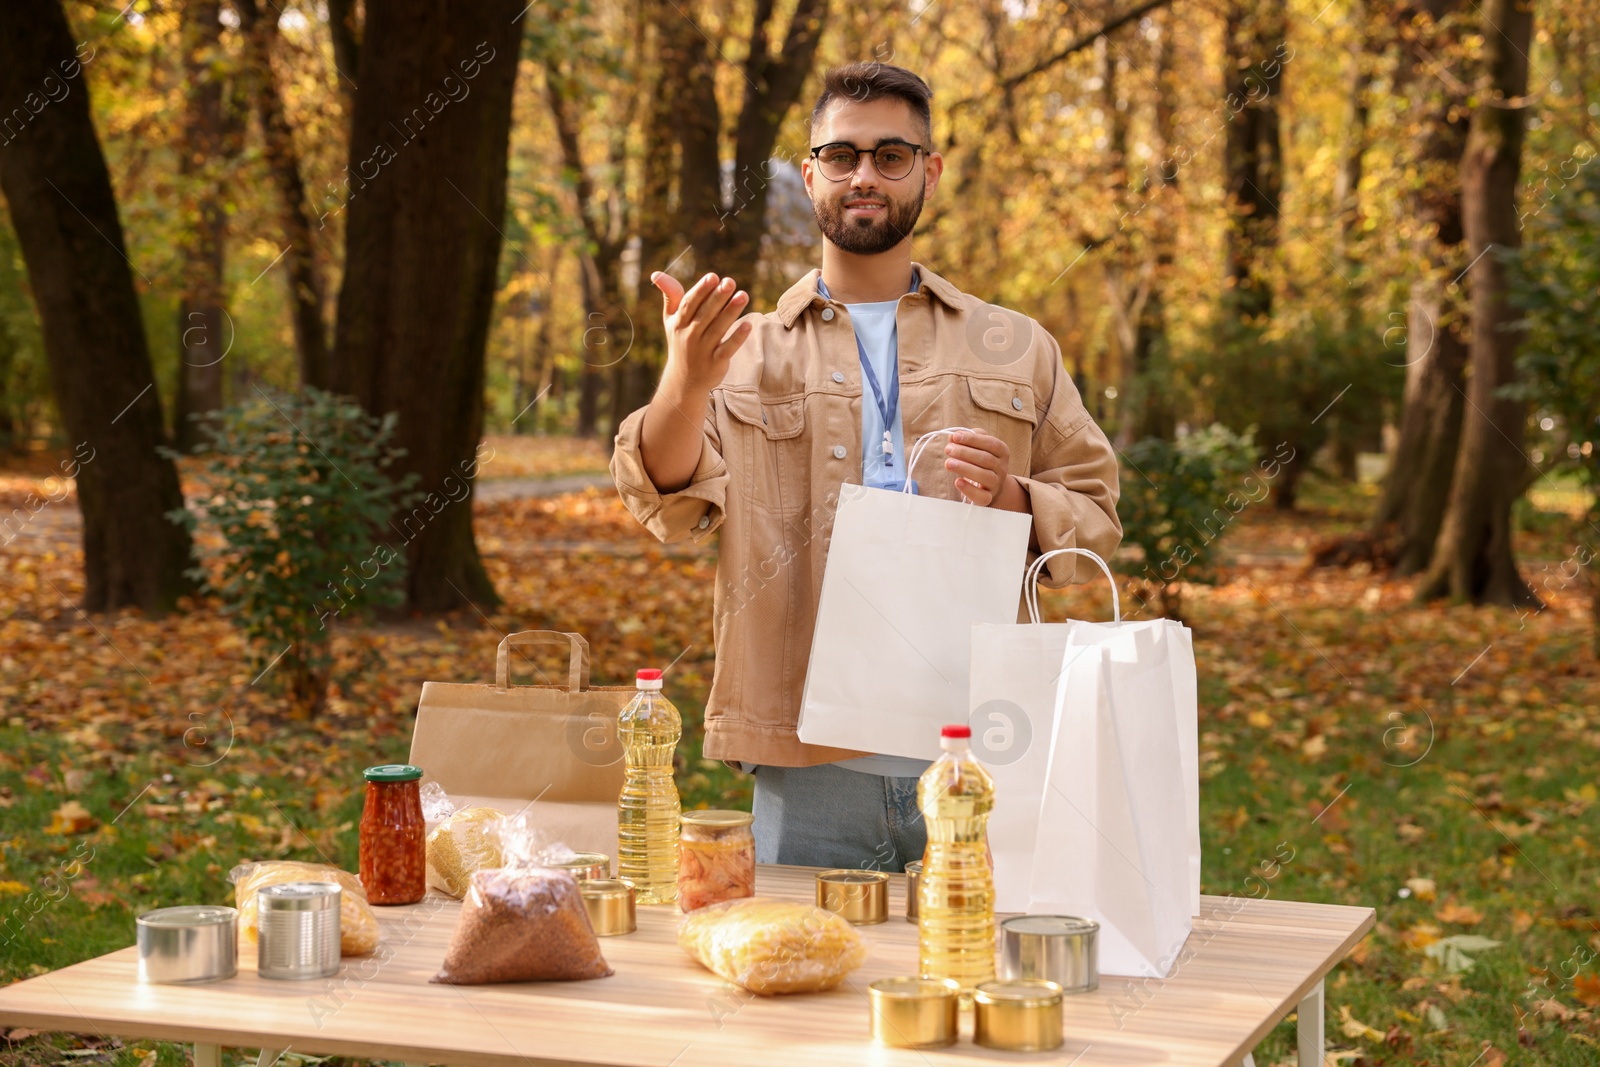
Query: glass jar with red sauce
point(393, 837)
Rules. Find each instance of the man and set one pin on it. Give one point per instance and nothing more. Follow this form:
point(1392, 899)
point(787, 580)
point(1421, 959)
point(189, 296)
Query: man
point(758, 419)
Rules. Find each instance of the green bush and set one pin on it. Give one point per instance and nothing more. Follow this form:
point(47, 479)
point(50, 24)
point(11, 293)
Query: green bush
point(296, 486)
point(1302, 382)
point(1178, 500)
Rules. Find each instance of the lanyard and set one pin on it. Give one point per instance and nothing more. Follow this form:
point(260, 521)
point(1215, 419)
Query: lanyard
point(888, 406)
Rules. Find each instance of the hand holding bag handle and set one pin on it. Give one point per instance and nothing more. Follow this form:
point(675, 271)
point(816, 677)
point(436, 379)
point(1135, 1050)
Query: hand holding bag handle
point(1030, 582)
point(921, 446)
point(577, 668)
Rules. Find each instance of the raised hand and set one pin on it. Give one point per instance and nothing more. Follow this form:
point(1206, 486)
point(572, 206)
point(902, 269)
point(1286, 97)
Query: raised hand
point(699, 344)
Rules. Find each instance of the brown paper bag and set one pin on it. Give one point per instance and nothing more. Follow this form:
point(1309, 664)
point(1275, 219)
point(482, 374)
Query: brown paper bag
point(549, 750)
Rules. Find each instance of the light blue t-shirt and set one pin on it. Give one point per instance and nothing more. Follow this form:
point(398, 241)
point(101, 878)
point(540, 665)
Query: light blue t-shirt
point(875, 331)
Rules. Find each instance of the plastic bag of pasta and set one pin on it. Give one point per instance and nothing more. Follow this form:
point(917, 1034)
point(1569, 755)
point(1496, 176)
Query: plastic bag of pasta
point(772, 946)
point(464, 841)
point(522, 924)
point(358, 925)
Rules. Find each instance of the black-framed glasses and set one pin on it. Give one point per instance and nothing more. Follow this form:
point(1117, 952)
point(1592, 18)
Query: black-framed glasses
point(839, 160)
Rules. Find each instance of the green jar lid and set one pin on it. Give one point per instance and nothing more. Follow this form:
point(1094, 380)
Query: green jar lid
point(392, 772)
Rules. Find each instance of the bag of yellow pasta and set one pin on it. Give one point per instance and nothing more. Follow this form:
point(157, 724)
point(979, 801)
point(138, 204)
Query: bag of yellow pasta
point(772, 946)
point(358, 926)
point(466, 841)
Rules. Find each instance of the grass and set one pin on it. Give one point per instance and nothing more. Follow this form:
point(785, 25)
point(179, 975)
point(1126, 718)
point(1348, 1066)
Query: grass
point(1436, 763)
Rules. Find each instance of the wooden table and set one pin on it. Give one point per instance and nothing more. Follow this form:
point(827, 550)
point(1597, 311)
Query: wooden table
point(1252, 961)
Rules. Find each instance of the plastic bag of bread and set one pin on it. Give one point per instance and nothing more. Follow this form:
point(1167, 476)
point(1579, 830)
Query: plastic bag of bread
point(464, 841)
point(522, 924)
point(772, 946)
point(358, 925)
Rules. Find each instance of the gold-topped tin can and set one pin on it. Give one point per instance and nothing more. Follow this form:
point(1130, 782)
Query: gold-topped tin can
point(915, 1012)
point(609, 902)
point(859, 897)
point(913, 889)
point(593, 866)
point(1018, 1015)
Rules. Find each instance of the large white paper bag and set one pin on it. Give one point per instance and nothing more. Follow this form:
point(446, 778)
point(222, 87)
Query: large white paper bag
point(1118, 837)
point(906, 579)
point(1014, 674)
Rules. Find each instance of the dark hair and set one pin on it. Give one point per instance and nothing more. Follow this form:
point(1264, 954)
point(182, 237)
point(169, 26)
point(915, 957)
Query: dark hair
point(860, 82)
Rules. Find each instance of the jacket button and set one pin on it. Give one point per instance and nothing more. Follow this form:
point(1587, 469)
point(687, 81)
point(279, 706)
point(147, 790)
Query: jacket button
point(827, 314)
point(705, 520)
point(838, 451)
point(1016, 402)
point(838, 376)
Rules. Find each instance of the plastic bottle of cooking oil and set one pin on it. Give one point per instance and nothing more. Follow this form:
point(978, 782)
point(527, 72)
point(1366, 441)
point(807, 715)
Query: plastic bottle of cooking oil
point(648, 810)
point(955, 921)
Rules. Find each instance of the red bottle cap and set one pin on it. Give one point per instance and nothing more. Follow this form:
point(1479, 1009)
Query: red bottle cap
point(956, 731)
point(649, 674)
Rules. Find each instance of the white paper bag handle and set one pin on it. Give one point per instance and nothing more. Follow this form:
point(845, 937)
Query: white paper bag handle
point(922, 446)
point(1030, 582)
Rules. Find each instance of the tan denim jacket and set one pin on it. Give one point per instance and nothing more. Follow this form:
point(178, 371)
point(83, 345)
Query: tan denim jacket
point(783, 431)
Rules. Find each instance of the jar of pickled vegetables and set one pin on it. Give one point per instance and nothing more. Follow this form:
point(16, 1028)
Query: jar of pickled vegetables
point(394, 868)
point(716, 858)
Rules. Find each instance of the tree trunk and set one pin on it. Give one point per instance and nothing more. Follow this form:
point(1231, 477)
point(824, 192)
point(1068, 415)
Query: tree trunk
point(426, 202)
point(1256, 51)
point(772, 80)
point(1417, 487)
point(1432, 340)
point(65, 214)
point(1155, 416)
point(726, 234)
point(307, 293)
point(654, 220)
point(204, 327)
point(1360, 425)
point(1473, 559)
point(1347, 179)
point(345, 30)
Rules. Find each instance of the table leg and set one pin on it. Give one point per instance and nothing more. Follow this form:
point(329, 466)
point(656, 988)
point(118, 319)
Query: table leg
point(207, 1055)
point(1308, 1028)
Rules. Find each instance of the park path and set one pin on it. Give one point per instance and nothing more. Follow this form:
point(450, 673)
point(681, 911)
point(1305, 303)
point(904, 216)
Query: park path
point(58, 526)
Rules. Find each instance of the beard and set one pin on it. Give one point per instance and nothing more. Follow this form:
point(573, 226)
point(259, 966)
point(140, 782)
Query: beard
point(867, 236)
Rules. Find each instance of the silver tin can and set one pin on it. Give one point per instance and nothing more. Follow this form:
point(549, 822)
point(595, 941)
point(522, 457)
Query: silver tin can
point(193, 943)
point(1057, 948)
point(299, 930)
point(913, 889)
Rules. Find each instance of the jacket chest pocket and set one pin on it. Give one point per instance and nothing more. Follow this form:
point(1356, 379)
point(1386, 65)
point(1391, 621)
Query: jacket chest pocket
point(1006, 409)
point(773, 452)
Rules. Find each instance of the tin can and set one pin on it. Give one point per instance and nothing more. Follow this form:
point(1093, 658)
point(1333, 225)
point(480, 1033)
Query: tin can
point(859, 897)
point(299, 930)
point(591, 866)
point(1058, 948)
point(915, 1012)
point(192, 943)
point(1017, 1015)
point(913, 889)
point(610, 904)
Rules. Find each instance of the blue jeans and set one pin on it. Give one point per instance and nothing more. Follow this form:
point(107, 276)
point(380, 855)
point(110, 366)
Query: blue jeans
point(828, 816)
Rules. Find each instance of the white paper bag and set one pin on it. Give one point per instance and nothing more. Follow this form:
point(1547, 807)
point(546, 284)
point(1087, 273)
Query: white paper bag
point(1014, 675)
point(1091, 733)
point(907, 577)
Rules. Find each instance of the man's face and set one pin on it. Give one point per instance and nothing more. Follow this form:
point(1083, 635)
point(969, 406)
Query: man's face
point(868, 214)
